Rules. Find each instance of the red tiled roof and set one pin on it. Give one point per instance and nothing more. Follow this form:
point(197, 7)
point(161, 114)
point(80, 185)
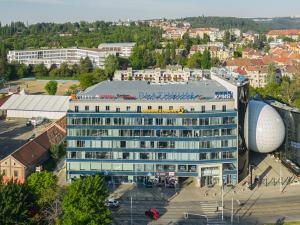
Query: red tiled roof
point(30, 153)
point(240, 71)
point(284, 32)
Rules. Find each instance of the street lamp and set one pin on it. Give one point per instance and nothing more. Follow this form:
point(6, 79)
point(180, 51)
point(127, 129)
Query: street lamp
point(222, 194)
point(232, 204)
point(280, 176)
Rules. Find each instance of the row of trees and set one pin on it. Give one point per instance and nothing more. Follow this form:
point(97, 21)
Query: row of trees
point(41, 201)
point(286, 89)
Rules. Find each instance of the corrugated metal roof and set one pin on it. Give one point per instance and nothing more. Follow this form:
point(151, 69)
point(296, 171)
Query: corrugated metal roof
point(204, 88)
point(37, 103)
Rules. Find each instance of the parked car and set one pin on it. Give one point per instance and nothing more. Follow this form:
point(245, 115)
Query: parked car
point(152, 213)
point(31, 137)
point(36, 121)
point(148, 184)
point(112, 203)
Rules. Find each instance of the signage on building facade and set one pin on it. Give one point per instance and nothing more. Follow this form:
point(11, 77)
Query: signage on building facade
point(223, 94)
point(295, 145)
point(167, 96)
point(179, 110)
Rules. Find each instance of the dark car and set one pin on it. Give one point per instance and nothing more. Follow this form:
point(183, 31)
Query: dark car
point(148, 184)
point(152, 213)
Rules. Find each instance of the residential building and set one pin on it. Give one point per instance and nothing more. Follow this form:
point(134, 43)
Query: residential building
point(199, 32)
point(22, 162)
point(174, 33)
point(121, 49)
point(160, 75)
point(291, 33)
point(134, 131)
point(58, 56)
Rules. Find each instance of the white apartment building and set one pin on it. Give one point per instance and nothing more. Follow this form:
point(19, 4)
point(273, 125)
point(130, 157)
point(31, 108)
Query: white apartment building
point(58, 56)
point(122, 49)
point(160, 75)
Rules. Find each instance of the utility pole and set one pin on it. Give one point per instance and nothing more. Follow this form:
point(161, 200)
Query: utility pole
point(232, 209)
point(280, 175)
point(222, 201)
point(131, 210)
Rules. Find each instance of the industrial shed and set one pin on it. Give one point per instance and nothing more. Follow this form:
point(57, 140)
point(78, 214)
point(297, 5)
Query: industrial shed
point(30, 106)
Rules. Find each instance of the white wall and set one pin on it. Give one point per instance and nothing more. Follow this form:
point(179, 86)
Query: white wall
point(31, 114)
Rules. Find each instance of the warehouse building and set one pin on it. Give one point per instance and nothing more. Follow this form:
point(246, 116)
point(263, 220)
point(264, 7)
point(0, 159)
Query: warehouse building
point(134, 131)
point(36, 106)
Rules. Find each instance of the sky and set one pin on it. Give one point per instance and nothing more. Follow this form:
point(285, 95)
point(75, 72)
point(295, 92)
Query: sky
point(33, 11)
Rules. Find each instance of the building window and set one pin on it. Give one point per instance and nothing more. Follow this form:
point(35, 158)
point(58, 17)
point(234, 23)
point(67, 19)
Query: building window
point(118, 109)
point(160, 107)
point(76, 108)
point(97, 108)
point(192, 109)
point(127, 108)
point(4, 172)
point(149, 107)
point(138, 109)
point(107, 108)
point(224, 108)
point(16, 173)
point(86, 108)
point(170, 107)
point(213, 107)
point(123, 144)
point(80, 144)
point(203, 109)
point(73, 155)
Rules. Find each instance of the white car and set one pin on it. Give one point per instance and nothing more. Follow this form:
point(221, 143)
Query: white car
point(112, 203)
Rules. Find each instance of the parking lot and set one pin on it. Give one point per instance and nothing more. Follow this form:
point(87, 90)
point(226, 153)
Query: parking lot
point(15, 133)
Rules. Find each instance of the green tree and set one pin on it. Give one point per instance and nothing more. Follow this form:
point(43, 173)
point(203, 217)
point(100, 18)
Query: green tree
point(271, 76)
point(206, 60)
point(15, 203)
point(43, 186)
point(64, 70)
point(111, 64)
point(195, 60)
point(226, 38)
point(99, 75)
point(51, 87)
point(85, 65)
point(87, 80)
point(57, 151)
point(40, 70)
point(84, 202)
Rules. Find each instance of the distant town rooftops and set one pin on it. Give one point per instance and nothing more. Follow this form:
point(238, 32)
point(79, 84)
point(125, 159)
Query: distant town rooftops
point(284, 32)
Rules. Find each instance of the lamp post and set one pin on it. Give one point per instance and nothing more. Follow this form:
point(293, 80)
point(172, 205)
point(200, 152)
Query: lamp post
point(232, 205)
point(280, 175)
point(131, 210)
point(222, 200)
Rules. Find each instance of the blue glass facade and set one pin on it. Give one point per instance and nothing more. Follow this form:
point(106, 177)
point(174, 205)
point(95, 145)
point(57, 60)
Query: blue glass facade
point(133, 145)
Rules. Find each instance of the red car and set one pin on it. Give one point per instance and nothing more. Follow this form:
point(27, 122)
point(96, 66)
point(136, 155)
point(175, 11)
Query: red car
point(152, 213)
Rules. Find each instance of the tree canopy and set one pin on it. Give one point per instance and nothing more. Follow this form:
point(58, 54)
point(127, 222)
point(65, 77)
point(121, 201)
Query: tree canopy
point(84, 202)
point(51, 87)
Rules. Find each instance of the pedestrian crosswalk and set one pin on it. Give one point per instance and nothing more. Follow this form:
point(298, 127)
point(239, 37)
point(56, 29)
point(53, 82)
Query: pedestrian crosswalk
point(213, 212)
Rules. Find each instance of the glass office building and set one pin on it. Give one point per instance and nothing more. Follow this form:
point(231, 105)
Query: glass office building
point(289, 151)
point(130, 131)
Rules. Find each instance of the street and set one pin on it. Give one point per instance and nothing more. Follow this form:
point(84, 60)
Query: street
point(259, 206)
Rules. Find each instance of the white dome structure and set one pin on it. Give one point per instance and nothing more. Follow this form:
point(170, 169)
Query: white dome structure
point(263, 127)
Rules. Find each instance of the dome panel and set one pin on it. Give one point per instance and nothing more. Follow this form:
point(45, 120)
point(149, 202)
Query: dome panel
point(263, 127)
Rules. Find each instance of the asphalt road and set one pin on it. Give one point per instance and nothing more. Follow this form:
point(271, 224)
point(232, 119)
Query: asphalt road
point(252, 208)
